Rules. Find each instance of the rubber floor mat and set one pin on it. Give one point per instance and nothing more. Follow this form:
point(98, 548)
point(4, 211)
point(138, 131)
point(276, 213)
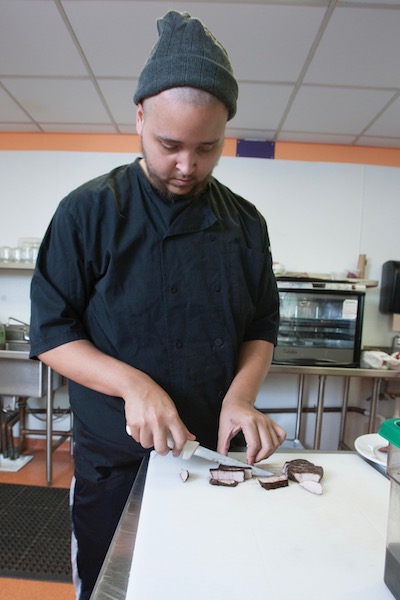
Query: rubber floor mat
point(35, 533)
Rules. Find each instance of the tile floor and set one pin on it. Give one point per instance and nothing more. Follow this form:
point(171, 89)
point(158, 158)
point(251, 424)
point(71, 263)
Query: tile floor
point(34, 473)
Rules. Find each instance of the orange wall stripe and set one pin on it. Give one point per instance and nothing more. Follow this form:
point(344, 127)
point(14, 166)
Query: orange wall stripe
point(389, 157)
point(83, 142)
point(70, 142)
point(130, 143)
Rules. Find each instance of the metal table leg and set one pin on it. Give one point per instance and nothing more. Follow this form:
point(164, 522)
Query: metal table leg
point(344, 411)
point(299, 408)
point(320, 411)
point(49, 425)
point(374, 404)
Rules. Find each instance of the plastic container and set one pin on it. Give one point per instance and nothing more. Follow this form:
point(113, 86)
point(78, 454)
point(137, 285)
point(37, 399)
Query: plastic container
point(390, 430)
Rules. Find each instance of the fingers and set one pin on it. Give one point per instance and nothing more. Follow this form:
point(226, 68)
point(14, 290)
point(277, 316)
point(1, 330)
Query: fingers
point(263, 436)
point(177, 440)
point(161, 439)
point(263, 439)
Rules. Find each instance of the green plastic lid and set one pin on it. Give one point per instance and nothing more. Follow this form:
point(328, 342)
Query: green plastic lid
point(390, 430)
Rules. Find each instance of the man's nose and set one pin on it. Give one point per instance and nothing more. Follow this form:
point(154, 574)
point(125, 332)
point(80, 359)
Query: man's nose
point(186, 162)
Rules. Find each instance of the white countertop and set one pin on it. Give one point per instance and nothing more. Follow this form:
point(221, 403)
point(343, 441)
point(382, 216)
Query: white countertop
point(197, 541)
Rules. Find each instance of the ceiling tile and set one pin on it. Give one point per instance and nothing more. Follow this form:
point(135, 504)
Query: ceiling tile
point(119, 97)
point(34, 40)
point(315, 138)
point(260, 106)
point(388, 124)
point(10, 111)
point(77, 128)
point(116, 36)
point(360, 47)
point(380, 142)
point(265, 42)
point(127, 128)
point(257, 41)
point(58, 100)
point(250, 134)
point(12, 127)
point(334, 110)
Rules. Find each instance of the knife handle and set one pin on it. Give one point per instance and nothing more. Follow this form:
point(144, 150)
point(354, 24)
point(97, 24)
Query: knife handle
point(188, 449)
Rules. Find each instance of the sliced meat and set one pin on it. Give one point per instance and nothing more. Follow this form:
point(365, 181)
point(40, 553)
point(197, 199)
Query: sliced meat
point(298, 464)
point(311, 486)
point(248, 473)
point(224, 482)
point(233, 473)
point(300, 470)
point(273, 482)
point(184, 473)
point(312, 474)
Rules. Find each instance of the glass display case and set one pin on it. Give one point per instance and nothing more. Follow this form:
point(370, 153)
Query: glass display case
point(320, 324)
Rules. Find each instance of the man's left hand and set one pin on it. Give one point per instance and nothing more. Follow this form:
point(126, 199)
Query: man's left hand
point(263, 436)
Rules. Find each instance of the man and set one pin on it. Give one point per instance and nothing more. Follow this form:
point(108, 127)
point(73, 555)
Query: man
point(154, 293)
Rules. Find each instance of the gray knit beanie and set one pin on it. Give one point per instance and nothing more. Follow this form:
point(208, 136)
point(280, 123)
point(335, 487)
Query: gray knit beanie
point(187, 54)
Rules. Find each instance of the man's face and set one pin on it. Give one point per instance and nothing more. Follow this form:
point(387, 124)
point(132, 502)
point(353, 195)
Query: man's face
point(181, 143)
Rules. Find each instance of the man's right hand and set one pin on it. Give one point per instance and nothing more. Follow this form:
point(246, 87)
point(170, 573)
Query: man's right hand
point(153, 420)
point(150, 413)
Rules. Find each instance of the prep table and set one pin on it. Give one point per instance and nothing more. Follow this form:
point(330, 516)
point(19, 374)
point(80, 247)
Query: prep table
point(193, 540)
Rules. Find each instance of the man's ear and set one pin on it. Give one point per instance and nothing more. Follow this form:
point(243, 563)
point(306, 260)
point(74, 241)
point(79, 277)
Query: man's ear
point(139, 118)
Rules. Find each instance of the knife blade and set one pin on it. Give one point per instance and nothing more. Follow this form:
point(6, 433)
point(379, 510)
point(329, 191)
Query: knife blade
point(194, 449)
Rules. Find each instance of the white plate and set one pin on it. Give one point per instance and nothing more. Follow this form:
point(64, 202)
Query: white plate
point(369, 447)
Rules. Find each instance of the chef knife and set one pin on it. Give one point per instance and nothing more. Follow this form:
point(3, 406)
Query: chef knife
point(194, 449)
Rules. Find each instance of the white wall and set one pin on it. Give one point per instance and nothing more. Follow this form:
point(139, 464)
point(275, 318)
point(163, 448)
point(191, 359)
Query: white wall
point(321, 216)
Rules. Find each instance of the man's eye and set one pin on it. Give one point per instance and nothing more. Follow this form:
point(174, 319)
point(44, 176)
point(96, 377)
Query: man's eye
point(169, 147)
point(205, 149)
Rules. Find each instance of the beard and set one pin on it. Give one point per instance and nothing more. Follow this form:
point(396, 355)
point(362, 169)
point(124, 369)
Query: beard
point(161, 187)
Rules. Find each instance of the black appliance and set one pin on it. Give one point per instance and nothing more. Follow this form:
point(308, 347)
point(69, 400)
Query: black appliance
point(390, 287)
point(320, 324)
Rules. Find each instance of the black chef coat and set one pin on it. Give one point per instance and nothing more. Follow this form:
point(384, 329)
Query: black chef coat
point(173, 290)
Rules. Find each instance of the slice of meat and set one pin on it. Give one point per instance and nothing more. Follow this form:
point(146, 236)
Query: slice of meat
point(311, 486)
point(314, 473)
point(234, 474)
point(300, 470)
point(273, 482)
point(224, 482)
point(248, 473)
point(184, 473)
point(298, 464)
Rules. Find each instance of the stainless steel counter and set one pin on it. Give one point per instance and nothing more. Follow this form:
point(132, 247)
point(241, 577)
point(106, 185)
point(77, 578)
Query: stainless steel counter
point(113, 579)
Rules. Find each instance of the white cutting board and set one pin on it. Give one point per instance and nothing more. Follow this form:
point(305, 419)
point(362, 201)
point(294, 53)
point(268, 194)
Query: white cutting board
point(200, 542)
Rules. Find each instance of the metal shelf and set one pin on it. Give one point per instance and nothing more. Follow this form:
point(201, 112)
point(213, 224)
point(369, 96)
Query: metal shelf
point(18, 266)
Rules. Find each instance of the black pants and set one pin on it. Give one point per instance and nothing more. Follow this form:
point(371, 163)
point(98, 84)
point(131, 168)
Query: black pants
point(96, 510)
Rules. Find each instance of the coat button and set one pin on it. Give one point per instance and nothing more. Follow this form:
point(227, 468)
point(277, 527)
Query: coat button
point(178, 344)
point(218, 342)
point(173, 288)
